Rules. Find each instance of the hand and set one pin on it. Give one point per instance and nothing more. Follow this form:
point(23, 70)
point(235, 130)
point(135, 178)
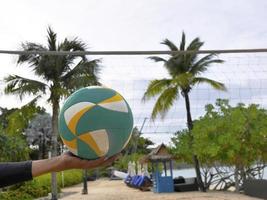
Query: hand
point(70, 161)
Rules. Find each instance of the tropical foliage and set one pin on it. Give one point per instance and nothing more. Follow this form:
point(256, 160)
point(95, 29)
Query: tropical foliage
point(13, 148)
point(13, 122)
point(39, 134)
point(58, 75)
point(227, 136)
point(231, 135)
point(184, 71)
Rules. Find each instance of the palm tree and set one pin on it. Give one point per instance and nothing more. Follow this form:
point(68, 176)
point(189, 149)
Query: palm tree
point(58, 76)
point(184, 70)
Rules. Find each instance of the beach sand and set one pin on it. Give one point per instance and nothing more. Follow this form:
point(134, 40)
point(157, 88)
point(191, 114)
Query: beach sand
point(116, 190)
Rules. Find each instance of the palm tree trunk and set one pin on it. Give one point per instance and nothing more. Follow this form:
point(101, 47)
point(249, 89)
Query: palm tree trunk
point(188, 112)
point(190, 127)
point(55, 106)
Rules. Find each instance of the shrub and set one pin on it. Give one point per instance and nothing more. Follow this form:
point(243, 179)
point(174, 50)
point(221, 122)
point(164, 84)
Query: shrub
point(41, 186)
point(71, 177)
point(14, 195)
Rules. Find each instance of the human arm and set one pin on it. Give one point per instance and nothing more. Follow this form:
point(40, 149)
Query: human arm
point(15, 172)
point(67, 161)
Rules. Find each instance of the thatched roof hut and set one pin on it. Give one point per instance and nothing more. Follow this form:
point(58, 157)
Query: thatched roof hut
point(160, 153)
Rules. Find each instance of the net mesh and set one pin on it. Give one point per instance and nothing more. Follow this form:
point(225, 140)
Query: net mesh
point(244, 75)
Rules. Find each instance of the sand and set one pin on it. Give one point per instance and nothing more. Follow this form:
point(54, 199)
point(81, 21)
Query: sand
point(116, 190)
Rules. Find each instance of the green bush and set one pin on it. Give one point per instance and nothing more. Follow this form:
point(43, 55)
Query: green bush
point(14, 195)
point(41, 186)
point(13, 148)
point(71, 177)
point(103, 172)
point(35, 189)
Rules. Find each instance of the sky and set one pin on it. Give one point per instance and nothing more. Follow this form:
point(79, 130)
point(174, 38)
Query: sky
point(107, 25)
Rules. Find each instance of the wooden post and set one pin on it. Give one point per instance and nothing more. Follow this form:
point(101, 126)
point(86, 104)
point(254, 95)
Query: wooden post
point(85, 190)
point(164, 163)
point(171, 168)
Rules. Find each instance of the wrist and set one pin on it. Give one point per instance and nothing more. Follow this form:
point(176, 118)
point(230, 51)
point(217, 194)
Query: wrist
point(58, 164)
point(40, 167)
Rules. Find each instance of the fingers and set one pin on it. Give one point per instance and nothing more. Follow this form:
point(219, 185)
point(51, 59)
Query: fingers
point(72, 161)
point(110, 160)
point(103, 161)
point(90, 164)
point(113, 158)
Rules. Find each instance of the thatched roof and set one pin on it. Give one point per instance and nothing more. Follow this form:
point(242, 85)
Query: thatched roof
point(160, 153)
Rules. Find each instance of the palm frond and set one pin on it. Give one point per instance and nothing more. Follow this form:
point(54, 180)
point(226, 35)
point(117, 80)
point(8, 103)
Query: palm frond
point(82, 81)
point(85, 73)
point(50, 67)
point(59, 92)
point(180, 63)
point(201, 65)
point(155, 87)
point(170, 44)
point(182, 44)
point(215, 84)
point(32, 59)
point(157, 59)
point(176, 65)
point(72, 45)
point(51, 39)
point(195, 45)
point(83, 67)
point(165, 102)
point(22, 86)
point(183, 80)
point(203, 59)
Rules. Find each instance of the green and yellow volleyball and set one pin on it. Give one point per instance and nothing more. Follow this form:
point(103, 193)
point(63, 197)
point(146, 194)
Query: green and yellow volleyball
point(95, 122)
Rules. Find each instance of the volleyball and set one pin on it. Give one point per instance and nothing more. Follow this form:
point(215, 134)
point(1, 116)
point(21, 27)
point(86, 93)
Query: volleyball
point(95, 122)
